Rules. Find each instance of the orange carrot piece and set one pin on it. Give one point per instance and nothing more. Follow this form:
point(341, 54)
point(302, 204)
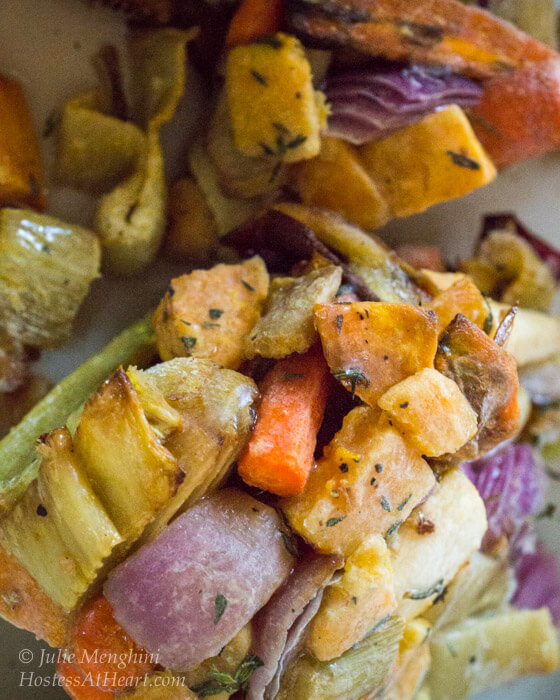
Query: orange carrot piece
point(279, 456)
point(103, 649)
point(253, 19)
point(77, 686)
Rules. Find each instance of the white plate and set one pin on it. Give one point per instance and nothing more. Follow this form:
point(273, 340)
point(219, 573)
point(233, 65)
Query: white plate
point(47, 44)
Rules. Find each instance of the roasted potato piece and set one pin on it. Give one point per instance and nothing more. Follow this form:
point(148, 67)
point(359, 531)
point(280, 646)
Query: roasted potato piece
point(286, 325)
point(371, 345)
point(487, 376)
point(22, 182)
point(437, 159)
point(462, 297)
point(535, 336)
point(208, 313)
point(367, 482)
point(352, 606)
point(337, 180)
point(424, 563)
point(274, 109)
point(25, 605)
point(60, 530)
point(431, 412)
point(46, 268)
point(131, 471)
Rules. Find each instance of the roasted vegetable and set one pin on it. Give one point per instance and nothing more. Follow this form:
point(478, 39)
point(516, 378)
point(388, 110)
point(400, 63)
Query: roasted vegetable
point(17, 450)
point(279, 456)
point(536, 17)
point(487, 651)
point(462, 297)
point(353, 605)
point(208, 313)
point(430, 410)
point(368, 480)
point(371, 345)
point(286, 325)
point(356, 672)
point(191, 235)
point(336, 179)
point(253, 20)
point(46, 268)
point(437, 159)
point(423, 562)
point(507, 268)
point(535, 336)
point(22, 182)
point(274, 109)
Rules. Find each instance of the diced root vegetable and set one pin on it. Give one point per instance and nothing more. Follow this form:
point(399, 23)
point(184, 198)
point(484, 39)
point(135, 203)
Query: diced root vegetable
point(372, 345)
point(279, 456)
point(77, 686)
point(431, 412)
point(254, 19)
point(463, 297)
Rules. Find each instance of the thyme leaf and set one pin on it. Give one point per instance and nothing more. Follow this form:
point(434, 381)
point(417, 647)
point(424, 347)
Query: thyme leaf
point(463, 161)
point(220, 605)
point(331, 522)
point(354, 375)
point(438, 588)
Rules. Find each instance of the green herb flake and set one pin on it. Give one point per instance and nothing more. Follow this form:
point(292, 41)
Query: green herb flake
point(220, 605)
point(463, 161)
point(385, 504)
point(394, 527)
point(259, 77)
point(354, 600)
point(220, 682)
point(289, 543)
point(331, 522)
point(248, 286)
point(189, 342)
point(207, 325)
point(404, 404)
point(354, 376)
point(437, 588)
point(378, 468)
point(215, 313)
point(548, 512)
point(293, 375)
point(403, 504)
point(451, 650)
point(343, 468)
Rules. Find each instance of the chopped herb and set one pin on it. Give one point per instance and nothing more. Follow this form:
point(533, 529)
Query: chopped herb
point(248, 286)
point(463, 161)
point(372, 482)
point(293, 375)
point(406, 500)
point(215, 313)
point(354, 376)
point(209, 324)
point(281, 128)
point(45, 248)
point(488, 323)
point(380, 623)
point(259, 77)
point(289, 543)
point(224, 682)
point(187, 323)
point(354, 600)
point(41, 510)
point(385, 357)
point(339, 321)
point(270, 40)
point(483, 123)
point(451, 650)
point(249, 664)
point(548, 511)
point(404, 404)
point(343, 468)
point(188, 341)
point(472, 660)
point(331, 522)
point(394, 527)
point(297, 141)
point(275, 171)
point(220, 604)
point(131, 209)
point(51, 124)
point(385, 504)
point(422, 595)
point(378, 468)
point(268, 151)
point(298, 95)
point(441, 597)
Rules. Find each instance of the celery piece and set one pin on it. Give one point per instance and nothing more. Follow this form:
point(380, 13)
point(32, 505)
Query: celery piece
point(46, 268)
point(18, 467)
point(483, 652)
point(357, 672)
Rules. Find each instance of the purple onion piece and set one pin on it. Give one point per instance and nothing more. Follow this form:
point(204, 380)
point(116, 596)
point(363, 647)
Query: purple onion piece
point(369, 104)
point(512, 486)
point(509, 222)
point(538, 582)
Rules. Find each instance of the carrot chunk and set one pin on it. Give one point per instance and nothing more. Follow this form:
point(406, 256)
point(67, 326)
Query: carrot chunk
point(279, 456)
point(77, 686)
point(253, 19)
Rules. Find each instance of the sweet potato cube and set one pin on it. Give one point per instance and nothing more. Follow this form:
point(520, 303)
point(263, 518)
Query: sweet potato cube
point(367, 482)
point(432, 413)
point(271, 98)
point(372, 345)
point(437, 159)
point(337, 180)
point(463, 297)
point(208, 313)
point(21, 173)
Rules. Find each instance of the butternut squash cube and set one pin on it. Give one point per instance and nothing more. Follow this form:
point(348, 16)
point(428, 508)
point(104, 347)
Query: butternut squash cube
point(431, 412)
point(337, 180)
point(463, 297)
point(367, 482)
point(273, 105)
point(437, 159)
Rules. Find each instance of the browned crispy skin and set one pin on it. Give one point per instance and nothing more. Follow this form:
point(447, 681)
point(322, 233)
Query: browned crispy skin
point(466, 39)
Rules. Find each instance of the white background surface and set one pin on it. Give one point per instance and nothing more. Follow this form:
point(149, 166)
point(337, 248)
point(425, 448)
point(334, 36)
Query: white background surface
point(46, 44)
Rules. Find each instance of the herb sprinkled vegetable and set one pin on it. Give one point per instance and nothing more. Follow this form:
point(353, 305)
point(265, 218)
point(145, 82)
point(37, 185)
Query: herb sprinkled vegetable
point(220, 605)
point(331, 522)
point(463, 161)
